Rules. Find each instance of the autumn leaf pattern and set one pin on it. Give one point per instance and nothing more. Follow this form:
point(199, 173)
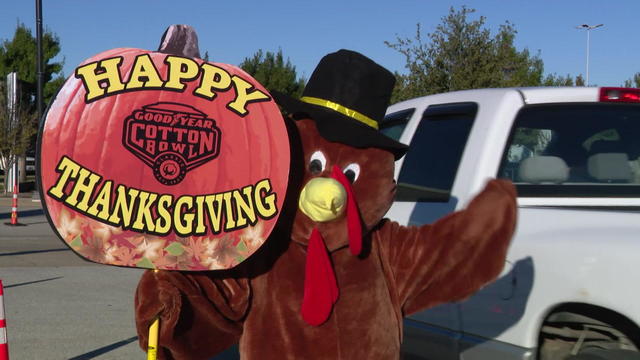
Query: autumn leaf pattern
point(126, 256)
point(197, 248)
point(111, 245)
point(226, 252)
point(253, 236)
point(149, 246)
point(103, 231)
point(68, 226)
point(93, 248)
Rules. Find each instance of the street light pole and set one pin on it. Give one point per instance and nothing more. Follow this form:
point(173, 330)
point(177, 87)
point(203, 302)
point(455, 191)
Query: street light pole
point(39, 65)
point(588, 28)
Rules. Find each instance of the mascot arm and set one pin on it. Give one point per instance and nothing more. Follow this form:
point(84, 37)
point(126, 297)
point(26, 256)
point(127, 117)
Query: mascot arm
point(454, 257)
point(200, 314)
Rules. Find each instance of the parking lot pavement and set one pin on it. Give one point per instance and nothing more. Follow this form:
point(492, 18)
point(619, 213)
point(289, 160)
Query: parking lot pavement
point(57, 305)
point(29, 200)
point(79, 312)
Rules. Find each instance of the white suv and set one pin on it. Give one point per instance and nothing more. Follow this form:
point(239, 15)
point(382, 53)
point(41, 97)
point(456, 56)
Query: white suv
point(571, 282)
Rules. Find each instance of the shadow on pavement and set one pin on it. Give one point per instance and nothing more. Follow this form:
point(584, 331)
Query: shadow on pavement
point(33, 252)
point(104, 349)
point(32, 282)
point(24, 213)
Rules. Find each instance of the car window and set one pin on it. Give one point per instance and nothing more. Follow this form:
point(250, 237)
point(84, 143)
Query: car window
point(393, 124)
point(577, 150)
point(431, 164)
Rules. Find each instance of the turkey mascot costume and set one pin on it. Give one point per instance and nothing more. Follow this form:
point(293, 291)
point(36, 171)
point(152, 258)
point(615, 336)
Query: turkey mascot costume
point(335, 279)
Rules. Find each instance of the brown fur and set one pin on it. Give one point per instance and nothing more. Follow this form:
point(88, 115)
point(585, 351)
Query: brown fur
point(403, 270)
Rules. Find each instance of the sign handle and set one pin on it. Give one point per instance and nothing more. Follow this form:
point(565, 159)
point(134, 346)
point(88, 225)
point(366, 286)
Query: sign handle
point(152, 347)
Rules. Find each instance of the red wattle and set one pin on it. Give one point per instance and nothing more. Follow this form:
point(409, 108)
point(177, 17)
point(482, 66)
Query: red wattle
point(320, 285)
point(354, 224)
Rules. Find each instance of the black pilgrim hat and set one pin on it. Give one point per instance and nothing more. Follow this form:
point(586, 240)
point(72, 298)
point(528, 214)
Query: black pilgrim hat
point(347, 96)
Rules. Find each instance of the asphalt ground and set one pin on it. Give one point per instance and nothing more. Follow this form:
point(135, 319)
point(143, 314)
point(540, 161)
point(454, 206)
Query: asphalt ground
point(57, 305)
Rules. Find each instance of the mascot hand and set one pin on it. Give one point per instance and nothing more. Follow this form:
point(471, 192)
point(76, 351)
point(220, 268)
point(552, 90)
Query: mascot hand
point(158, 296)
point(191, 307)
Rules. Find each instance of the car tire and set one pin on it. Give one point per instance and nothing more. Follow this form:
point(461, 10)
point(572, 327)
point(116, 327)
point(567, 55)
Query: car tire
point(605, 354)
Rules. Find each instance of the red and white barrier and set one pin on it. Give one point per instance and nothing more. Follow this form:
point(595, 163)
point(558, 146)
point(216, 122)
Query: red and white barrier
point(4, 345)
point(14, 207)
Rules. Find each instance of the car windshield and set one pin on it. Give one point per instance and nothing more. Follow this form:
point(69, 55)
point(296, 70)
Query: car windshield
point(577, 150)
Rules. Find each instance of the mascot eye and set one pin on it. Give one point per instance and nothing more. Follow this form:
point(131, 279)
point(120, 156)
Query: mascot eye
point(352, 171)
point(317, 163)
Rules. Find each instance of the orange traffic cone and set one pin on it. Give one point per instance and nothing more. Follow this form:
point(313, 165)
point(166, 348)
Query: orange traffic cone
point(14, 210)
point(4, 345)
point(14, 206)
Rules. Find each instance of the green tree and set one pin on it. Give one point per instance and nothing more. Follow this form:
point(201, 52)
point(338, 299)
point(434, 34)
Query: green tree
point(557, 80)
point(462, 54)
point(19, 55)
point(633, 82)
point(16, 136)
point(272, 71)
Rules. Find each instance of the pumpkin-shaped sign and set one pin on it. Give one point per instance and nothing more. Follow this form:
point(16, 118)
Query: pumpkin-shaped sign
point(153, 160)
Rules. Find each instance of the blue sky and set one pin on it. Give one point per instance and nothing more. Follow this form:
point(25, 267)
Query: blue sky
point(307, 30)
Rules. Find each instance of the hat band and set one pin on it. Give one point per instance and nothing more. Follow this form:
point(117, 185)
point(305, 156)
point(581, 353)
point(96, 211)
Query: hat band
point(341, 109)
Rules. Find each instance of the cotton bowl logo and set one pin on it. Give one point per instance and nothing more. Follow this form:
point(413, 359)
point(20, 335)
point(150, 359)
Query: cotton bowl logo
point(172, 139)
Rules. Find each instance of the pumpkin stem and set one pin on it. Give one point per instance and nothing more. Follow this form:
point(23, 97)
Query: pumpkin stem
point(180, 40)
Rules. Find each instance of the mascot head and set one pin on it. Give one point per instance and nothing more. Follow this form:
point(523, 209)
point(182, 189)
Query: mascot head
point(348, 182)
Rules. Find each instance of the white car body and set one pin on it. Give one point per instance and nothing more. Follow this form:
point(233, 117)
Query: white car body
point(566, 250)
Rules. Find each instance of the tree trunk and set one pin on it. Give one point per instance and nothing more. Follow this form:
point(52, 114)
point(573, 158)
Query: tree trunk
point(22, 169)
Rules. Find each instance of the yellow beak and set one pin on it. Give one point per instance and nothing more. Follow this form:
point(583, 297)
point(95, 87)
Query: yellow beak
point(323, 199)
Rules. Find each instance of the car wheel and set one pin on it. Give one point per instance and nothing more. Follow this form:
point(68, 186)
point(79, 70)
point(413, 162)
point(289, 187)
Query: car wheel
point(605, 354)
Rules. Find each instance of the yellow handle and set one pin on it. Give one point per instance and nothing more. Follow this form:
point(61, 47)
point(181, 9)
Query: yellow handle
point(152, 347)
